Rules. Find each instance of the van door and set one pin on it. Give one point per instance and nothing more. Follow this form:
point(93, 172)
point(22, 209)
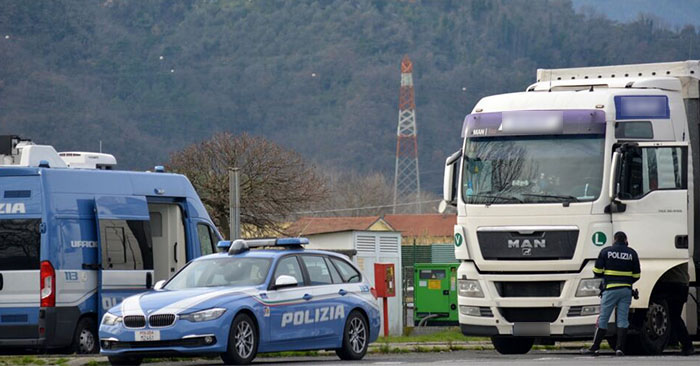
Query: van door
point(652, 198)
point(169, 244)
point(125, 250)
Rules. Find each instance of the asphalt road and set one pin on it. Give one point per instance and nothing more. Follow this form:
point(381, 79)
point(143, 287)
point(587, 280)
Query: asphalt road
point(539, 358)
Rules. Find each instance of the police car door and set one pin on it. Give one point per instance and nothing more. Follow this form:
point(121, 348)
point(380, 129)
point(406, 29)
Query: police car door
point(285, 307)
point(328, 305)
point(650, 198)
point(125, 253)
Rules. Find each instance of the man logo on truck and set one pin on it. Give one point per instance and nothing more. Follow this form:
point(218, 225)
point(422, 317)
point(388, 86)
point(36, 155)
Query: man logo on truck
point(526, 245)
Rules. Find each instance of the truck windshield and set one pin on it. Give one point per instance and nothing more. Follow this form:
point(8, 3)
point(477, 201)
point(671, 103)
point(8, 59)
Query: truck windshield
point(229, 271)
point(19, 244)
point(532, 169)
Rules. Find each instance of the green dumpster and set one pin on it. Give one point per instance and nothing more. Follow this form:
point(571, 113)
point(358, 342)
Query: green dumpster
point(435, 294)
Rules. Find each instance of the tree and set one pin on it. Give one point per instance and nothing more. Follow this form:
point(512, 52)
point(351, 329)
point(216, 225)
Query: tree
point(275, 182)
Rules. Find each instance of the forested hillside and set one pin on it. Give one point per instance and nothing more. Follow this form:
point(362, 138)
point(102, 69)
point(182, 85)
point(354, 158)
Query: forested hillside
point(321, 77)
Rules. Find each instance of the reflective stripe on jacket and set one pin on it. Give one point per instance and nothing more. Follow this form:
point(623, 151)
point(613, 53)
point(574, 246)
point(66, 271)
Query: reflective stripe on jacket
point(618, 265)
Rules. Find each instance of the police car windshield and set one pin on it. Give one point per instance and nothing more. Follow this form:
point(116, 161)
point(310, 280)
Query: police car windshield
point(228, 271)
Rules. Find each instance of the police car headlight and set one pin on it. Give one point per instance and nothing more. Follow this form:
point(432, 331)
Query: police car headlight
point(470, 288)
point(588, 287)
point(111, 319)
point(204, 315)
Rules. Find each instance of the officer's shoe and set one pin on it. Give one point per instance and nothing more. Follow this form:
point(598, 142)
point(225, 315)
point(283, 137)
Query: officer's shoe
point(589, 352)
point(619, 353)
point(688, 351)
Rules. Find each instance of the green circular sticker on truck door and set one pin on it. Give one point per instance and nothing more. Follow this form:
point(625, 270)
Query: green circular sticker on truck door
point(599, 238)
point(458, 239)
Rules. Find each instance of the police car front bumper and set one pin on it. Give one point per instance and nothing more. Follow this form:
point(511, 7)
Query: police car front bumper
point(183, 337)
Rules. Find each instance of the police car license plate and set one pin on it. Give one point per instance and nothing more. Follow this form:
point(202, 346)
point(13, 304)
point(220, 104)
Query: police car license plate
point(147, 335)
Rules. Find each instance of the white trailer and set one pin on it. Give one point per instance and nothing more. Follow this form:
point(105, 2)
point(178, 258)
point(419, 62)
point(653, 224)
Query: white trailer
point(546, 176)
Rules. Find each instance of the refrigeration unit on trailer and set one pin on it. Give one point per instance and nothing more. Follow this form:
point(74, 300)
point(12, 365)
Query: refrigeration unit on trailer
point(77, 237)
point(546, 176)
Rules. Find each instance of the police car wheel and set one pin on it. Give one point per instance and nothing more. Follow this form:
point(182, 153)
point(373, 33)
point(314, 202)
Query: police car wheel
point(242, 341)
point(85, 339)
point(355, 337)
point(124, 361)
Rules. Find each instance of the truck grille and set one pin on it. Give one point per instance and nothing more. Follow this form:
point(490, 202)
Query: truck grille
point(135, 321)
point(539, 315)
point(538, 245)
point(161, 320)
point(529, 289)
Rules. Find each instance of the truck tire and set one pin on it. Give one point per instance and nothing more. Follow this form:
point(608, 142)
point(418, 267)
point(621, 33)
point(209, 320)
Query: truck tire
point(655, 329)
point(512, 345)
point(85, 339)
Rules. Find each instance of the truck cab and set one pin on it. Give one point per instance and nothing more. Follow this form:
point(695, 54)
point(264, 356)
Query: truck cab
point(546, 176)
point(77, 237)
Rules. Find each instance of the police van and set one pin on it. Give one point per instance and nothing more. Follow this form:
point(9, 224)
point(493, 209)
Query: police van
point(77, 237)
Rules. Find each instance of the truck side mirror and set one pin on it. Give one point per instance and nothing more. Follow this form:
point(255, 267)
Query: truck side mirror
point(614, 174)
point(450, 179)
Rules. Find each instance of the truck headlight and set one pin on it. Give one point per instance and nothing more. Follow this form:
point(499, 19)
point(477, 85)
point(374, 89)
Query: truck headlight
point(470, 288)
point(204, 315)
point(588, 287)
point(470, 310)
point(111, 319)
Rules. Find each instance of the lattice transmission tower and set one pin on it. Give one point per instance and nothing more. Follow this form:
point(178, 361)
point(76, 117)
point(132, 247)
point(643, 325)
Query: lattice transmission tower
point(406, 177)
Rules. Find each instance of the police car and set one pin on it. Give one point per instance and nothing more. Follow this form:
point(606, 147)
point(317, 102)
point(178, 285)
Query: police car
point(242, 302)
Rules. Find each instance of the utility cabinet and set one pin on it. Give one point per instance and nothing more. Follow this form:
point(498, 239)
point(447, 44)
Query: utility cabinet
point(435, 293)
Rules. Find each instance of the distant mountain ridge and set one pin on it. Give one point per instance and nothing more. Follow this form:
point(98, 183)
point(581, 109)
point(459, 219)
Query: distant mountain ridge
point(319, 76)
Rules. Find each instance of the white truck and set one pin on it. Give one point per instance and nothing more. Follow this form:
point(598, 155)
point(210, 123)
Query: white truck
point(546, 176)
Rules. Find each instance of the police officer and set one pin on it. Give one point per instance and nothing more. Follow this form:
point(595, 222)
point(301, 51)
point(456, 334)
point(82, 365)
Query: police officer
point(675, 285)
point(619, 267)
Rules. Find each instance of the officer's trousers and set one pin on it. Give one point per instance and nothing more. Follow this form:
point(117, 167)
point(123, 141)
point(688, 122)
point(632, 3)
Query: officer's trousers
point(619, 298)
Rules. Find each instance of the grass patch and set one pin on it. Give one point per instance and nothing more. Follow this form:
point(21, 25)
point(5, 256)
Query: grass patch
point(451, 334)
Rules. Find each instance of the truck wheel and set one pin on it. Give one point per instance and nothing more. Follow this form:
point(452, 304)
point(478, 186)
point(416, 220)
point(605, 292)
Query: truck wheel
point(656, 328)
point(85, 338)
point(242, 341)
point(512, 345)
point(355, 338)
point(124, 361)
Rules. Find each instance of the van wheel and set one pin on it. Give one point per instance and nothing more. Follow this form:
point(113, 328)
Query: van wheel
point(85, 338)
point(124, 361)
point(355, 338)
point(512, 345)
point(242, 341)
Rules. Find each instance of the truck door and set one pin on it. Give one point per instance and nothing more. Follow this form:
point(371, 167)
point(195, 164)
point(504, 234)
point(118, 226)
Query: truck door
point(125, 250)
point(651, 204)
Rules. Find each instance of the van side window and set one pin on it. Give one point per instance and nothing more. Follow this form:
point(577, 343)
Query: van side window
point(347, 271)
point(19, 244)
point(206, 239)
point(126, 244)
point(652, 168)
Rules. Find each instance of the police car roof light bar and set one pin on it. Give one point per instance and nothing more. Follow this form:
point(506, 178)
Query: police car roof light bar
point(241, 245)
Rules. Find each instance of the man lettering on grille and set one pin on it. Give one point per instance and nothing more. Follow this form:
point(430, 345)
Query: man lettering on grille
point(618, 265)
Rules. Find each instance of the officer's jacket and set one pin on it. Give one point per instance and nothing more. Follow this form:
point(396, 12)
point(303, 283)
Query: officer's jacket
point(618, 265)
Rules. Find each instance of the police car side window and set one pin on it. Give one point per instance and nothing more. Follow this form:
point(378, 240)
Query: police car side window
point(348, 273)
point(289, 266)
point(334, 272)
point(317, 269)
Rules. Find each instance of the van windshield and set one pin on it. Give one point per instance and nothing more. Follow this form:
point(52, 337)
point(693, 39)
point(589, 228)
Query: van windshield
point(221, 272)
point(19, 244)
